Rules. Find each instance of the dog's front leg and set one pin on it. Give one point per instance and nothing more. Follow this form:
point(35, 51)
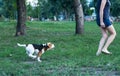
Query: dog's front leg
point(38, 58)
point(39, 55)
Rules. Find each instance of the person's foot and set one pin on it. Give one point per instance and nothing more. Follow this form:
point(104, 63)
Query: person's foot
point(98, 53)
point(106, 52)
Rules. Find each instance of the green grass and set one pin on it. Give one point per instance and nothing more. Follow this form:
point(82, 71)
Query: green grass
point(74, 55)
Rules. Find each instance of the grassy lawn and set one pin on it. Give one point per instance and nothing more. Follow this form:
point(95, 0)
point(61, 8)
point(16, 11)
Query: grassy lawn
point(74, 55)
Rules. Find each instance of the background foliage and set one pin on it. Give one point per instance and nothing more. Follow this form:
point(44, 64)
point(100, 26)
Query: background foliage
point(50, 8)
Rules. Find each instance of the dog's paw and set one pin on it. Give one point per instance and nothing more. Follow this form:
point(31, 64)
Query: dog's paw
point(39, 60)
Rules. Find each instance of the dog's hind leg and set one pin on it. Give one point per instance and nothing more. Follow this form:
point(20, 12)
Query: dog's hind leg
point(32, 56)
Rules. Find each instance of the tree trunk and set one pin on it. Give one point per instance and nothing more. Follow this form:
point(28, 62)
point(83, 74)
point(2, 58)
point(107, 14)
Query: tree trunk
point(79, 17)
point(21, 18)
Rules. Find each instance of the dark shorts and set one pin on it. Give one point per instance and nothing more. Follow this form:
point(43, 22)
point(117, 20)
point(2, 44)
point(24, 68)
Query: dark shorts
point(107, 22)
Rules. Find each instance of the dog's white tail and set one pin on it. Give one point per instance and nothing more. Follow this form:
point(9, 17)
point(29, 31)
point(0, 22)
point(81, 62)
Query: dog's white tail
point(21, 45)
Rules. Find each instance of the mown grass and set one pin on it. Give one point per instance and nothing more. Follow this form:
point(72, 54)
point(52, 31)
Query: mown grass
point(74, 55)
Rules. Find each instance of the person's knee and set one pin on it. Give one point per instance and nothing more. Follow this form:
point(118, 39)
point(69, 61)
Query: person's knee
point(113, 33)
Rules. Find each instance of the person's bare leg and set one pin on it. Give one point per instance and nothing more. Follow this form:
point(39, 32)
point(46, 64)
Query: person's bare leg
point(102, 41)
point(112, 32)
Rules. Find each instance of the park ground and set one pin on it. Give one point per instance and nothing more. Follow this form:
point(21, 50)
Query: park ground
point(73, 55)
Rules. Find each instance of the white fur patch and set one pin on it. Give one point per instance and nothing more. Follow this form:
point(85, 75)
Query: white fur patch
point(43, 51)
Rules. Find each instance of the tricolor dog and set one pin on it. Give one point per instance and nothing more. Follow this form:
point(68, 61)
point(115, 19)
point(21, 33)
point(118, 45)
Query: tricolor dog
point(36, 50)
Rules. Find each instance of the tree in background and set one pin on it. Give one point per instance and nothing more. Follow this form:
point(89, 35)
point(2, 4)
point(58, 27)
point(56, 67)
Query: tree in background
point(55, 8)
point(21, 10)
point(79, 17)
point(1, 9)
point(9, 9)
point(115, 8)
point(29, 10)
point(33, 11)
point(68, 8)
point(46, 8)
point(86, 7)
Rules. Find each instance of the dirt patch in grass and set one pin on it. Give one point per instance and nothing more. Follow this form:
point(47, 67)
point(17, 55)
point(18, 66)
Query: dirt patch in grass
point(98, 72)
point(83, 71)
point(28, 62)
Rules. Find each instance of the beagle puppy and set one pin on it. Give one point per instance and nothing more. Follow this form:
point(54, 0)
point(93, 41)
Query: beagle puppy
point(36, 50)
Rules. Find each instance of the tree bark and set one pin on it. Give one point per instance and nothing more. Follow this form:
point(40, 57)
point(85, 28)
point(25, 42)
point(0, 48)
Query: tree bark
point(79, 17)
point(21, 18)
